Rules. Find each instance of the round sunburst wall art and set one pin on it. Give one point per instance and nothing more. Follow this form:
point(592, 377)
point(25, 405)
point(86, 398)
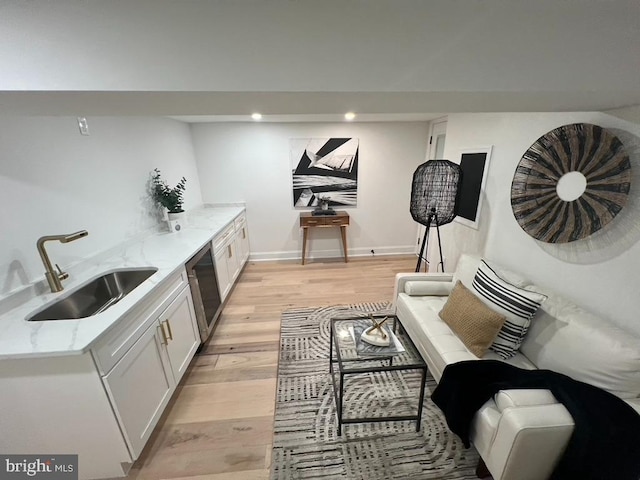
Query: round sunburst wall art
point(570, 183)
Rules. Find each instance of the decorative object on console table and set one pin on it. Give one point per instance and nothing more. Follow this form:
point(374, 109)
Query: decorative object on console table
point(324, 168)
point(570, 183)
point(309, 220)
point(169, 198)
point(474, 163)
point(434, 198)
point(323, 207)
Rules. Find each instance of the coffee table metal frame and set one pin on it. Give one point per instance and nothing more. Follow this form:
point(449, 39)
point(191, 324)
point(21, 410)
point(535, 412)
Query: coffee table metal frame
point(338, 384)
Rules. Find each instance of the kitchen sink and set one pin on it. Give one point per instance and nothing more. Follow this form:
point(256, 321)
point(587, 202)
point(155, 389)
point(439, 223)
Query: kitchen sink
point(94, 297)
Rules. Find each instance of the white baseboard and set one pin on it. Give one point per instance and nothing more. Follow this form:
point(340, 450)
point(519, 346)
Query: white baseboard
point(334, 253)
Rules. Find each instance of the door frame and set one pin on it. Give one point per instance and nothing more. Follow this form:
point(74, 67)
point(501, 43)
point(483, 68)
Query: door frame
point(437, 127)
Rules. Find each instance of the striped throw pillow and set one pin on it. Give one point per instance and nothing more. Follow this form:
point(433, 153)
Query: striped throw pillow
point(516, 304)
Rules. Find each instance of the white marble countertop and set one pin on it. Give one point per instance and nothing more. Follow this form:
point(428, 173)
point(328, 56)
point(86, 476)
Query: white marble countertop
point(165, 251)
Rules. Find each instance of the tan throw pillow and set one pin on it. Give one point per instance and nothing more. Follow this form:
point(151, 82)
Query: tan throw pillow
point(475, 324)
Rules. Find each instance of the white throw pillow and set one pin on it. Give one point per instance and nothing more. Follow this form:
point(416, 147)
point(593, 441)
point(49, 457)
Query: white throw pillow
point(516, 304)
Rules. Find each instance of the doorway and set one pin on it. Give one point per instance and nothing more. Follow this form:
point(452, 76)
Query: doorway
point(435, 151)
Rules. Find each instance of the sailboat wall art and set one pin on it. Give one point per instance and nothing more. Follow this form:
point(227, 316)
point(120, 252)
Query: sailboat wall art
point(324, 169)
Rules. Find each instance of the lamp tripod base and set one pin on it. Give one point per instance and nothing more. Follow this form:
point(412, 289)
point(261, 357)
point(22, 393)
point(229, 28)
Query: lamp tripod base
point(425, 241)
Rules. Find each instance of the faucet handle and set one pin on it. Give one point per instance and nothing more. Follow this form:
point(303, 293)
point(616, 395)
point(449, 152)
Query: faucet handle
point(61, 275)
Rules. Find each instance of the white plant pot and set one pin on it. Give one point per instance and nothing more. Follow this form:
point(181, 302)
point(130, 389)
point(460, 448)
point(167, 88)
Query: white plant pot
point(176, 221)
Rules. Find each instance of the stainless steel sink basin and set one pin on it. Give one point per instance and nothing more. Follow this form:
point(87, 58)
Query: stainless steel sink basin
point(94, 297)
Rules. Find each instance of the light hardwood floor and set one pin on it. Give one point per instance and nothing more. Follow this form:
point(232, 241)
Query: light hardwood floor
point(219, 424)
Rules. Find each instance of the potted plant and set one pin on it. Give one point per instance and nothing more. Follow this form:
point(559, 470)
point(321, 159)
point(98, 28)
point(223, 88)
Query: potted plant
point(169, 198)
point(324, 200)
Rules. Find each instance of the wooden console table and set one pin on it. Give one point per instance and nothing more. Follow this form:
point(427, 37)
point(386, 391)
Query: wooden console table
point(307, 221)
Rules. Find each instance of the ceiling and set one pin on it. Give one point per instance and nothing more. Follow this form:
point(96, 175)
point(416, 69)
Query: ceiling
point(303, 60)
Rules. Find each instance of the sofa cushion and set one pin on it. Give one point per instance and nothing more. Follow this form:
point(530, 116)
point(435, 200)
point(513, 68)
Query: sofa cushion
point(433, 338)
point(518, 360)
point(516, 304)
point(468, 265)
point(430, 287)
point(466, 270)
point(471, 320)
point(568, 339)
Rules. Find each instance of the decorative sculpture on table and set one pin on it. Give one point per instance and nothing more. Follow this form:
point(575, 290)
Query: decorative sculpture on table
point(570, 183)
point(434, 198)
point(323, 207)
point(376, 335)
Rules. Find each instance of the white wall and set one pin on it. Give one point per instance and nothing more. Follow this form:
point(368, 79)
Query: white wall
point(250, 162)
point(609, 287)
point(55, 181)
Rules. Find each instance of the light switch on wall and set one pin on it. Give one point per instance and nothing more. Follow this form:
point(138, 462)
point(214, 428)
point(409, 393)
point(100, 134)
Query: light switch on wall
point(83, 125)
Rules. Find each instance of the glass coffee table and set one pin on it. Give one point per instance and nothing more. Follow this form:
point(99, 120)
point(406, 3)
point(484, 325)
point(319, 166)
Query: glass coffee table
point(383, 387)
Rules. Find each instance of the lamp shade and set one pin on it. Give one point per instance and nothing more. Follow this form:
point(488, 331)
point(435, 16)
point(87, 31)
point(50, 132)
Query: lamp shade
point(435, 190)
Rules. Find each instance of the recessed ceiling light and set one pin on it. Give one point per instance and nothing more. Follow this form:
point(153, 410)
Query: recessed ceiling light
point(256, 116)
point(349, 116)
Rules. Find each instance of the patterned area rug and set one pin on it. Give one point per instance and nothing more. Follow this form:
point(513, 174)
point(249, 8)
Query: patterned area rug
point(306, 444)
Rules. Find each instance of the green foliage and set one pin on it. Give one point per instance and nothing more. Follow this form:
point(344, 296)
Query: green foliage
point(170, 198)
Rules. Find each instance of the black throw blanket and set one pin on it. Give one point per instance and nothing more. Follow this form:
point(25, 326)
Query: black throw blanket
point(605, 443)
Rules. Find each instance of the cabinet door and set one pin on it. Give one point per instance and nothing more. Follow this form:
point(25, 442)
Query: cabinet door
point(140, 388)
point(222, 271)
point(181, 330)
point(232, 260)
point(242, 244)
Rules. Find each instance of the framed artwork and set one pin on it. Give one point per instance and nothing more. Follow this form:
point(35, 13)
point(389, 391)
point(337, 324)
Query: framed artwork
point(474, 163)
point(324, 168)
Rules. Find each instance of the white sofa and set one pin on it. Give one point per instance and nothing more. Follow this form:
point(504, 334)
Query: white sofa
point(562, 337)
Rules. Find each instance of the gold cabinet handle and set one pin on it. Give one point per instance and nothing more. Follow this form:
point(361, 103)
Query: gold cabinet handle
point(244, 234)
point(164, 336)
point(169, 329)
point(230, 251)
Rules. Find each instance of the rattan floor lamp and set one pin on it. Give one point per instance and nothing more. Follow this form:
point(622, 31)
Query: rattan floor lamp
point(434, 199)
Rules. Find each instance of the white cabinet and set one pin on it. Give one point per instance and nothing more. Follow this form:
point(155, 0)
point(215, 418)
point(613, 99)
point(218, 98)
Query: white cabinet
point(226, 259)
point(180, 330)
point(103, 404)
point(222, 272)
point(233, 264)
point(231, 250)
point(112, 347)
point(241, 240)
point(143, 379)
point(140, 387)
